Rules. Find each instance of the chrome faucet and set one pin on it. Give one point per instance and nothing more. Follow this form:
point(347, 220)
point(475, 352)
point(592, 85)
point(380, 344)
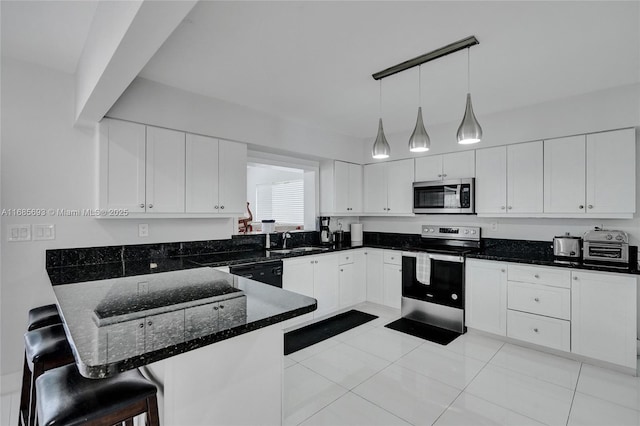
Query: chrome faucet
point(285, 236)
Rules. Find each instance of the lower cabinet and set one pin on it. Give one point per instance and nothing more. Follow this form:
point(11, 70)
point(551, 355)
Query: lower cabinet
point(353, 284)
point(603, 317)
point(486, 296)
point(375, 275)
point(550, 332)
point(392, 273)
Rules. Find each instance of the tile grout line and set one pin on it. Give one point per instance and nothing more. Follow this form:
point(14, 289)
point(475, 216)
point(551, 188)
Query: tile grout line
point(574, 395)
point(329, 403)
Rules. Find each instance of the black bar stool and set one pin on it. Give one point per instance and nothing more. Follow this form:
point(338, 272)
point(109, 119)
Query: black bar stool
point(43, 316)
point(67, 398)
point(45, 348)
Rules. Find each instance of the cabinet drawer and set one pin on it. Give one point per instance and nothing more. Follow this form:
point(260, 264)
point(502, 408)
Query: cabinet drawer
point(393, 257)
point(346, 257)
point(534, 274)
point(539, 299)
point(544, 331)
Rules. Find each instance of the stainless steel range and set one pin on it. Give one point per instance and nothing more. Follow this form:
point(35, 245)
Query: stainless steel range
point(433, 278)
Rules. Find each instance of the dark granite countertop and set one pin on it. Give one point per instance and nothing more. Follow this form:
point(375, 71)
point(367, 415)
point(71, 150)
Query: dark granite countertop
point(116, 322)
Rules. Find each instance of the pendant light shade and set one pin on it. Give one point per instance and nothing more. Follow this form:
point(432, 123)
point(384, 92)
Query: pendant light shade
point(381, 148)
point(419, 140)
point(469, 131)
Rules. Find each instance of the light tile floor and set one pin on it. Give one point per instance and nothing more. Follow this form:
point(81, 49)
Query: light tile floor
point(376, 376)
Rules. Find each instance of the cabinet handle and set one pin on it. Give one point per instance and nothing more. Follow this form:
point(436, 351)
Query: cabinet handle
point(510, 207)
point(141, 325)
point(221, 306)
point(347, 257)
point(215, 207)
point(581, 207)
point(502, 270)
point(150, 206)
point(222, 207)
point(341, 270)
point(536, 299)
point(444, 175)
point(501, 207)
point(535, 329)
point(575, 278)
point(311, 262)
point(388, 209)
point(215, 308)
point(141, 205)
point(316, 261)
point(590, 206)
point(537, 276)
point(150, 323)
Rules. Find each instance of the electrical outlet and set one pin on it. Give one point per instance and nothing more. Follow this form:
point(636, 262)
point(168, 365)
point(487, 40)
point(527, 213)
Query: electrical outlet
point(143, 230)
point(494, 226)
point(19, 233)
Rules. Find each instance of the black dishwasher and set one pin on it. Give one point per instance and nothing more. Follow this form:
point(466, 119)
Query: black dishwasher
point(265, 272)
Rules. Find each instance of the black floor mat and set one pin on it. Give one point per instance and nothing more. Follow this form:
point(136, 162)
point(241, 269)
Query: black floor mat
point(424, 331)
point(325, 329)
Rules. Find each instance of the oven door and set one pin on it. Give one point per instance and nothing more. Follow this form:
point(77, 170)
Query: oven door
point(446, 280)
point(453, 196)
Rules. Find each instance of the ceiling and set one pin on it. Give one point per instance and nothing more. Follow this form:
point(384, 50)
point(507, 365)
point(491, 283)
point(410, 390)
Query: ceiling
point(312, 61)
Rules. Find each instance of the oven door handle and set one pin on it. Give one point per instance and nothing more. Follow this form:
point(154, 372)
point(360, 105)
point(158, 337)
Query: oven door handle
point(446, 258)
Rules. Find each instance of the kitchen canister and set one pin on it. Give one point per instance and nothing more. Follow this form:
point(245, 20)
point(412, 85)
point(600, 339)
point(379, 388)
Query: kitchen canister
point(268, 226)
point(356, 234)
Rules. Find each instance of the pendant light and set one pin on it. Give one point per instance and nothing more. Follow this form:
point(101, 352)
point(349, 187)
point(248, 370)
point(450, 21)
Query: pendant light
point(469, 131)
point(419, 140)
point(381, 148)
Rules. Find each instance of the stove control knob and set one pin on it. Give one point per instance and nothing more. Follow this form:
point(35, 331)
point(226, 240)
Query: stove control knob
point(431, 230)
point(454, 296)
point(473, 231)
point(619, 238)
point(466, 231)
point(609, 237)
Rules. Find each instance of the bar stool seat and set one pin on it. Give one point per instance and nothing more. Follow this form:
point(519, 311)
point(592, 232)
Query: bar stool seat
point(43, 316)
point(45, 348)
point(67, 398)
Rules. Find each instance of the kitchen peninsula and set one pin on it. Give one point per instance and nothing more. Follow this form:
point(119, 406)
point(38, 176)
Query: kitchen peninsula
point(212, 340)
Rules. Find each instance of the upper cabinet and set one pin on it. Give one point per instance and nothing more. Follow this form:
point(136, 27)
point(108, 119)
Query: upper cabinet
point(153, 171)
point(340, 188)
point(509, 179)
point(592, 175)
point(141, 168)
point(216, 179)
point(388, 187)
point(457, 165)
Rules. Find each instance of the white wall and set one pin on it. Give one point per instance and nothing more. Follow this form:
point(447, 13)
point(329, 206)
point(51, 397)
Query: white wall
point(149, 102)
point(47, 163)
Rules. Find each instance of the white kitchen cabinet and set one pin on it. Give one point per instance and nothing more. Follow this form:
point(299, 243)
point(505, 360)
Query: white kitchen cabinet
point(388, 187)
point(509, 179)
point(317, 277)
point(165, 165)
point(340, 188)
point(392, 290)
point(486, 296)
point(215, 176)
point(375, 275)
point(603, 317)
point(457, 165)
point(353, 284)
point(592, 175)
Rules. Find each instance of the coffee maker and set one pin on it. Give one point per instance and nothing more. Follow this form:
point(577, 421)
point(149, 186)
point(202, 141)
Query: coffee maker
point(325, 233)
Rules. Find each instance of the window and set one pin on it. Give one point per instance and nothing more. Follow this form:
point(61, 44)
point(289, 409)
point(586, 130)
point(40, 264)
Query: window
point(282, 201)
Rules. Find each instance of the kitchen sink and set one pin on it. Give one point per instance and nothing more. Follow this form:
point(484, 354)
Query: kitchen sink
point(298, 250)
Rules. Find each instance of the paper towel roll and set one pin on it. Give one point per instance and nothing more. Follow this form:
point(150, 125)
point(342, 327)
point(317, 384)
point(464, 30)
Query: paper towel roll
point(356, 234)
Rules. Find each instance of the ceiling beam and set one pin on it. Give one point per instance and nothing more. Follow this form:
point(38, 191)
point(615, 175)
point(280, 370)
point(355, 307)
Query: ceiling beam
point(123, 36)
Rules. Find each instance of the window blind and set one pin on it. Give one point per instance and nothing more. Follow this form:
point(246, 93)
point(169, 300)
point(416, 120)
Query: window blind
point(282, 201)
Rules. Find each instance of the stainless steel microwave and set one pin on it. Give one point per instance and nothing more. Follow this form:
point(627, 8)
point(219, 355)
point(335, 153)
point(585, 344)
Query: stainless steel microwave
point(456, 196)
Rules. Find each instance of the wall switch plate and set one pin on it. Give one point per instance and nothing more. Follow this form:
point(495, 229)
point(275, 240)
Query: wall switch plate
point(19, 233)
point(143, 230)
point(494, 226)
point(43, 232)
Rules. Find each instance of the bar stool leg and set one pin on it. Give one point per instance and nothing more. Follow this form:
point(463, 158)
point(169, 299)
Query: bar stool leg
point(25, 393)
point(152, 411)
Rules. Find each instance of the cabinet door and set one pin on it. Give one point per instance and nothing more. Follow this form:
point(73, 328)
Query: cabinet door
point(232, 312)
point(347, 285)
point(164, 330)
point(603, 317)
point(375, 188)
point(122, 165)
point(232, 177)
point(122, 340)
point(392, 290)
point(375, 276)
point(326, 284)
point(611, 172)
point(459, 165)
point(486, 296)
point(165, 170)
point(355, 188)
point(400, 187)
point(297, 275)
point(525, 178)
point(341, 186)
point(200, 321)
point(201, 186)
point(564, 175)
point(428, 168)
point(491, 180)
point(359, 276)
